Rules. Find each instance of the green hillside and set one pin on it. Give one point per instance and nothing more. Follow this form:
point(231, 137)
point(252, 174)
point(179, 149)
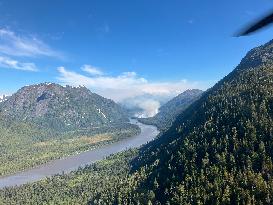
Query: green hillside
point(47, 121)
point(53, 106)
point(218, 151)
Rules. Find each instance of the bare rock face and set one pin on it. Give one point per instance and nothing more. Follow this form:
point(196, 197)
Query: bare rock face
point(52, 105)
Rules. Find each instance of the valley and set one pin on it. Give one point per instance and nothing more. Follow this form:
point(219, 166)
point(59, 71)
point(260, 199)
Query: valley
point(43, 122)
point(23, 150)
point(76, 160)
point(136, 102)
point(217, 151)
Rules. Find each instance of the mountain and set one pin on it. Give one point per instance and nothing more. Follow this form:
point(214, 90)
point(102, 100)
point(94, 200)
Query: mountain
point(43, 122)
point(51, 105)
point(217, 151)
point(169, 111)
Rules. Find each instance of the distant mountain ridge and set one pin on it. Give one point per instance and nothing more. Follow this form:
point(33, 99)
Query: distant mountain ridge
point(62, 108)
point(170, 110)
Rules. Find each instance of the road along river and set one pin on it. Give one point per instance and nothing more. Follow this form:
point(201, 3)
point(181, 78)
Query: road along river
point(71, 163)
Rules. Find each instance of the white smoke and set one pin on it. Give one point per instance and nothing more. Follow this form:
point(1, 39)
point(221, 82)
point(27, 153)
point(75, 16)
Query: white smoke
point(149, 108)
point(145, 105)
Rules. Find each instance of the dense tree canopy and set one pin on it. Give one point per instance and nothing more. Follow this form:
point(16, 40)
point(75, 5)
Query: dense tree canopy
point(219, 151)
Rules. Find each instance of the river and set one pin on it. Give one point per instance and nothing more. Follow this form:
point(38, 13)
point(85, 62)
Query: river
point(71, 163)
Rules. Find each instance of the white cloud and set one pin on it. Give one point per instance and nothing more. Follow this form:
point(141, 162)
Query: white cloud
point(28, 46)
point(128, 86)
point(14, 64)
point(91, 70)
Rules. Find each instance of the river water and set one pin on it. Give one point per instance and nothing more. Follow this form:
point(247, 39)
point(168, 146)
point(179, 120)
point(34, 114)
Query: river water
point(71, 163)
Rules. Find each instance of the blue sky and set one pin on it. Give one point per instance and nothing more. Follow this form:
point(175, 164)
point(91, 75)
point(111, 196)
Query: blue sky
point(120, 47)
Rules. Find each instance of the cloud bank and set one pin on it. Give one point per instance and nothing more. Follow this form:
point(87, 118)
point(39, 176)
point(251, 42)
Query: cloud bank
point(127, 87)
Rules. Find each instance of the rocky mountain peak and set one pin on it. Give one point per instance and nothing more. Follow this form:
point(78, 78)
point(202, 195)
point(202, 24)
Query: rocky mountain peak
point(50, 104)
point(257, 56)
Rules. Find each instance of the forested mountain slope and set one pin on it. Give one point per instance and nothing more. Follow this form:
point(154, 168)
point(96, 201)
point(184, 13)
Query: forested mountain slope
point(218, 151)
point(169, 111)
point(56, 107)
point(47, 121)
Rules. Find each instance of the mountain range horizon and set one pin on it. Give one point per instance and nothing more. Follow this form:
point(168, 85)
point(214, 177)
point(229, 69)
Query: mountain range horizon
point(134, 105)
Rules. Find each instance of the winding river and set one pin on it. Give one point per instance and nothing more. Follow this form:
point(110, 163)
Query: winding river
point(71, 163)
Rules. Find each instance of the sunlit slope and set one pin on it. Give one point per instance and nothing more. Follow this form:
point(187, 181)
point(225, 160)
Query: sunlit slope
point(220, 149)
